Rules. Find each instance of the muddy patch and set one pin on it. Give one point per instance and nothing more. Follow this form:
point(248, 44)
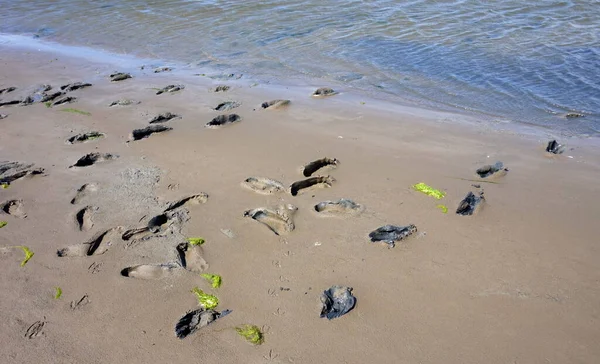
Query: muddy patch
point(94, 158)
point(320, 164)
point(324, 91)
point(14, 208)
point(279, 220)
point(85, 137)
point(119, 76)
point(275, 104)
point(263, 185)
point(98, 245)
point(223, 120)
point(340, 208)
point(164, 117)
point(227, 105)
point(390, 234)
point(170, 89)
point(311, 184)
point(84, 191)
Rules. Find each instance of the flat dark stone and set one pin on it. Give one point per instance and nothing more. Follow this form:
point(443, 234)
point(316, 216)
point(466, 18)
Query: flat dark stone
point(554, 147)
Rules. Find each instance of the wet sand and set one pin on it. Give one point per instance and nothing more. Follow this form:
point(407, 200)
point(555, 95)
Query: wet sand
point(518, 282)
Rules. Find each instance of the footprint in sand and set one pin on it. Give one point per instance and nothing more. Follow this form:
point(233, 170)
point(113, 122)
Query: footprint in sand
point(340, 208)
point(278, 220)
point(12, 171)
point(93, 158)
point(275, 104)
point(198, 199)
point(84, 217)
point(85, 137)
point(195, 320)
point(170, 89)
point(119, 76)
point(191, 258)
point(158, 225)
point(227, 105)
point(221, 88)
point(84, 191)
point(74, 86)
point(320, 164)
point(223, 120)
point(492, 171)
point(324, 91)
point(138, 134)
point(164, 117)
point(310, 184)
point(262, 185)
point(36, 329)
point(14, 208)
point(124, 102)
point(100, 244)
point(149, 271)
point(83, 301)
point(64, 100)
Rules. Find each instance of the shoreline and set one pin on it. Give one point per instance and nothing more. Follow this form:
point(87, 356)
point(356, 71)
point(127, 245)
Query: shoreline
point(518, 280)
point(297, 88)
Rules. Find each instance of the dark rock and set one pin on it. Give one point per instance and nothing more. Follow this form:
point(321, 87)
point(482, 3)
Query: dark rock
point(470, 204)
point(337, 301)
point(555, 148)
point(390, 234)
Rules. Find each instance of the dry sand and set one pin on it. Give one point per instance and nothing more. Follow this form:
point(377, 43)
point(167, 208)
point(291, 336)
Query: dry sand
point(519, 282)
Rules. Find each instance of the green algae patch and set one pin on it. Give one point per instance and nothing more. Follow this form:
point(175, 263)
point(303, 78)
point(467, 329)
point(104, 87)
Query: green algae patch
point(205, 300)
point(195, 241)
point(443, 208)
point(214, 279)
point(4, 185)
point(251, 333)
point(3, 224)
point(76, 111)
point(428, 190)
point(28, 254)
point(58, 293)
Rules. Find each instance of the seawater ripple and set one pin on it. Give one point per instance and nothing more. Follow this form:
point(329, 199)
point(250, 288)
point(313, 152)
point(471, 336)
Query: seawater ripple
point(507, 60)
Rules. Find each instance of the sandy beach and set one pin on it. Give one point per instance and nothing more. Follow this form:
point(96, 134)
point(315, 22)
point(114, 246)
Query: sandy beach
point(517, 282)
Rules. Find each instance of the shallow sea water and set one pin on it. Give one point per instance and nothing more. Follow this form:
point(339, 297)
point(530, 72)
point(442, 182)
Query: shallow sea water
point(507, 61)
